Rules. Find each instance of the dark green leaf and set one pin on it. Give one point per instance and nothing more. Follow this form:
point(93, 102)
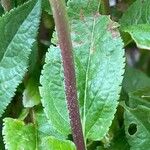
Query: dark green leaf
point(134, 80)
point(137, 125)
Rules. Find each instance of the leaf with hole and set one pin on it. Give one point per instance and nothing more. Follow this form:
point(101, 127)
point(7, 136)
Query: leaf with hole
point(137, 126)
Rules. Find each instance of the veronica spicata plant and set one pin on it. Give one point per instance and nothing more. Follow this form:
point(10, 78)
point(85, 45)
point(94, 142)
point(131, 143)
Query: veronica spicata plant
point(74, 74)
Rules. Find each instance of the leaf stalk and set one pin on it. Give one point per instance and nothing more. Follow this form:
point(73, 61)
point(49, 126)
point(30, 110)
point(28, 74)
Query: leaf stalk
point(62, 28)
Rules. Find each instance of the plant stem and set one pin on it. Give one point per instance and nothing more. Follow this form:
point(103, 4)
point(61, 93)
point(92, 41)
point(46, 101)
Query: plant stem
point(6, 5)
point(104, 7)
point(62, 27)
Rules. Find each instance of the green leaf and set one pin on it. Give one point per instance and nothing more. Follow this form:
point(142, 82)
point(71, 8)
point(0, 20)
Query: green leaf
point(134, 80)
point(140, 34)
point(56, 144)
point(52, 92)
point(137, 13)
point(45, 127)
point(136, 22)
point(46, 6)
point(31, 95)
point(18, 32)
point(119, 142)
point(97, 52)
point(140, 97)
point(136, 118)
point(80, 8)
point(137, 127)
point(18, 136)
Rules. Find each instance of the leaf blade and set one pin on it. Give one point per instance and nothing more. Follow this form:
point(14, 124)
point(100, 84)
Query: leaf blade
point(17, 135)
point(136, 22)
point(54, 144)
point(83, 50)
point(16, 49)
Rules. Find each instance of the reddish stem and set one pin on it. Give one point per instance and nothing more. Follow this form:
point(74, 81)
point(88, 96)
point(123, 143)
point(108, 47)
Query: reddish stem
point(62, 27)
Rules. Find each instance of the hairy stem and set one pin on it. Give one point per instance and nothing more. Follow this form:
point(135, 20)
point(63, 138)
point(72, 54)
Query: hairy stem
point(104, 7)
point(6, 5)
point(62, 27)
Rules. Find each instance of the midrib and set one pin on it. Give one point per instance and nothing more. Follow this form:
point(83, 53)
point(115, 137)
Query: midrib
point(87, 77)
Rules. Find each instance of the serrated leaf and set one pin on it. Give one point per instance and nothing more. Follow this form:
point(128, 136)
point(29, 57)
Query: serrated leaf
point(137, 127)
point(18, 136)
point(97, 52)
point(136, 22)
point(56, 144)
point(18, 30)
point(52, 91)
point(45, 128)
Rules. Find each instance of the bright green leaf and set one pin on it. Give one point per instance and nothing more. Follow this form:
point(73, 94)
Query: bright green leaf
point(18, 136)
point(18, 30)
point(99, 65)
point(52, 143)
